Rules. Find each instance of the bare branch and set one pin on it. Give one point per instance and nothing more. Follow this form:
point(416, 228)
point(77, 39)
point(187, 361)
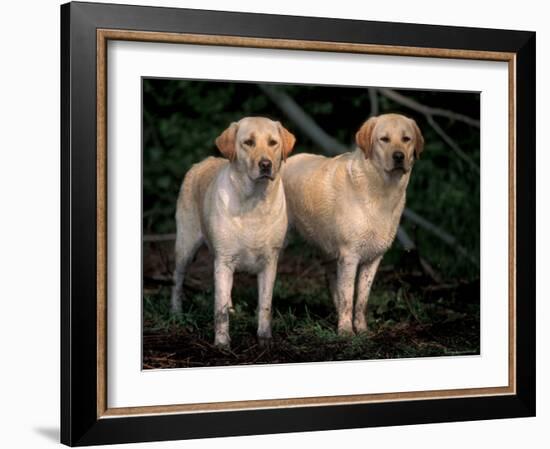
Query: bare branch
point(454, 146)
point(301, 119)
point(427, 110)
point(373, 99)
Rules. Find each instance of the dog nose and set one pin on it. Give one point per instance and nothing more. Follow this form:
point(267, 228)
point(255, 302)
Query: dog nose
point(398, 157)
point(265, 165)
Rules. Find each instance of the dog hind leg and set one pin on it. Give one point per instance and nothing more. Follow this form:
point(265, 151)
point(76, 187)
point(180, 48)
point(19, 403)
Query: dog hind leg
point(330, 278)
point(188, 241)
point(365, 278)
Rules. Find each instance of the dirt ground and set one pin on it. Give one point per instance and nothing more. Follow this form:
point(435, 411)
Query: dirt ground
point(410, 315)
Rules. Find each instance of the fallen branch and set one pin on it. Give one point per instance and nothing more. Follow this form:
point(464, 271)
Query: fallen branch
point(373, 99)
point(409, 246)
point(403, 238)
point(301, 119)
point(439, 233)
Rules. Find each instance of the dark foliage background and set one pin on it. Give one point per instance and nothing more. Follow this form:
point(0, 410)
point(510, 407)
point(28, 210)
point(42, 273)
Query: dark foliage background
point(181, 119)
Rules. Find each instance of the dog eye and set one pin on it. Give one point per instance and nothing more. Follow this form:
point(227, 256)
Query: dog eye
point(272, 142)
point(249, 142)
point(406, 139)
point(385, 139)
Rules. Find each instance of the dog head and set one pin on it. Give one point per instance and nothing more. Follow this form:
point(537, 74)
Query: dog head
point(257, 146)
point(391, 141)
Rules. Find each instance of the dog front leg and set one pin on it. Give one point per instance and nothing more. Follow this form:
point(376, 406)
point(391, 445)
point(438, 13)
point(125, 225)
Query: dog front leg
point(365, 277)
point(223, 279)
point(346, 271)
point(266, 281)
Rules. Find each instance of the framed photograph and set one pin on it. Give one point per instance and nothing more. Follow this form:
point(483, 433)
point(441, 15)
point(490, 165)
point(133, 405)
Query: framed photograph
point(283, 224)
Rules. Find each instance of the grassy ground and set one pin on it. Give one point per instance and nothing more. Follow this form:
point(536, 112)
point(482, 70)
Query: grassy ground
point(409, 315)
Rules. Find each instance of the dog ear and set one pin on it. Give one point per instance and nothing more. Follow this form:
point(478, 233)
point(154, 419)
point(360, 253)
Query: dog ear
point(363, 137)
point(287, 139)
point(226, 141)
point(418, 140)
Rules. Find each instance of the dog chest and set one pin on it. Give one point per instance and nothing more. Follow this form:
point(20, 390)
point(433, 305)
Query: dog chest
point(247, 243)
point(368, 231)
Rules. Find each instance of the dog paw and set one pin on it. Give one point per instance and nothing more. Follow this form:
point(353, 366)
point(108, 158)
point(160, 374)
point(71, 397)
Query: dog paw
point(345, 331)
point(175, 308)
point(265, 342)
point(222, 342)
point(360, 326)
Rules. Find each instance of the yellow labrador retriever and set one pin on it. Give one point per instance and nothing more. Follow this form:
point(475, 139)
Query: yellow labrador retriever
point(350, 206)
point(237, 207)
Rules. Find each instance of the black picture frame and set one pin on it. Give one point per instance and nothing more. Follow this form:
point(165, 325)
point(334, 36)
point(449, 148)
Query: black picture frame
point(80, 423)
